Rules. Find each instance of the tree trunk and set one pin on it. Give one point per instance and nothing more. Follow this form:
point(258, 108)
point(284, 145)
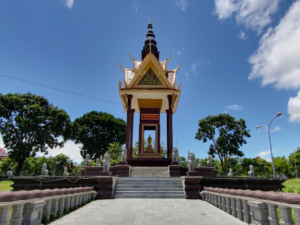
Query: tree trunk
point(19, 167)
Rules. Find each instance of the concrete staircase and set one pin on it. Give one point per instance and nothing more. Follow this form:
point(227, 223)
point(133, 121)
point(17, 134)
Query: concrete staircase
point(149, 182)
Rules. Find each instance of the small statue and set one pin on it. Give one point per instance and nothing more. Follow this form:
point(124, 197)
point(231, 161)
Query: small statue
point(98, 162)
point(106, 162)
point(124, 154)
point(87, 160)
point(149, 146)
point(230, 174)
point(208, 162)
point(200, 163)
point(65, 173)
point(191, 162)
point(175, 155)
point(9, 173)
point(251, 172)
point(44, 170)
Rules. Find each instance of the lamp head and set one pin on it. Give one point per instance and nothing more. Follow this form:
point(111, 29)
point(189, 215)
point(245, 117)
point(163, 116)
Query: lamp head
point(257, 127)
point(278, 114)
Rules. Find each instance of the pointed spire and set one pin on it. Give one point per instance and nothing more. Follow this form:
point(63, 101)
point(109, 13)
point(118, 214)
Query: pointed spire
point(150, 40)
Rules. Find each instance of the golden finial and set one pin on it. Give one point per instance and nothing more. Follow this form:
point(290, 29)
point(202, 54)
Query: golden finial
point(168, 59)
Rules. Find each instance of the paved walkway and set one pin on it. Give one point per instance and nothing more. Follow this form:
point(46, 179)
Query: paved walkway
point(148, 211)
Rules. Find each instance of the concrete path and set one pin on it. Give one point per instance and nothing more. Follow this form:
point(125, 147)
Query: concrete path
point(148, 211)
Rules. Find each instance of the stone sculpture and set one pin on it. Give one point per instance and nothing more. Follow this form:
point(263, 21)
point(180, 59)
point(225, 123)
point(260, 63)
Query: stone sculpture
point(65, 173)
point(87, 160)
point(191, 162)
point(175, 155)
point(98, 162)
point(9, 173)
point(106, 162)
point(230, 174)
point(200, 163)
point(124, 154)
point(44, 170)
point(208, 162)
point(251, 172)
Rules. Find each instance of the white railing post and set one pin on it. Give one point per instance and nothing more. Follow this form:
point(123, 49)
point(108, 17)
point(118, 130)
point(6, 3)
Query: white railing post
point(47, 209)
point(32, 212)
point(4, 213)
point(72, 199)
point(239, 209)
point(67, 202)
point(273, 217)
point(228, 208)
point(17, 213)
point(246, 211)
point(223, 203)
point(233, 206)
point(61, 205)
point(286, 215)
point(54, 208)
point(297, 213)
point(259, 211)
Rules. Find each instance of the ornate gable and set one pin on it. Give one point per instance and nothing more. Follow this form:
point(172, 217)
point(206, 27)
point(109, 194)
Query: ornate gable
point(149, 78)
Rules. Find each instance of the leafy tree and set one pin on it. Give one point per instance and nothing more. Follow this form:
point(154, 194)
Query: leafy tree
point(115, 150)
point(8, 164)
point(245, 164)
point(182, 161)
point(261, 167)
point(96, 130)
point(295, 156)
point(281, 165)
point(30, 124)
point(226, 133)
point(33, 165)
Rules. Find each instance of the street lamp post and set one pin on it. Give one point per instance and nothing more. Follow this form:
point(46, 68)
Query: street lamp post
point(268, 129)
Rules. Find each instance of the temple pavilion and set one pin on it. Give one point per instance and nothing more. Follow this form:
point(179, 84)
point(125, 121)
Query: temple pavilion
point(149, 89)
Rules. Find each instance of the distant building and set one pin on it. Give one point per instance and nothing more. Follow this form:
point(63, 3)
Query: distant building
point(3, 154)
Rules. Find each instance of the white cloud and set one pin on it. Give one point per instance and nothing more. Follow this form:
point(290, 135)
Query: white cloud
point(276, 129)
point(264, 155)
point(242, 35)
point(197, 63)
point(277, 60)
point(70, 149)
point(254, 14)
point(69, 3)
point(294, 108)
point(233, 107)
point(181, 4)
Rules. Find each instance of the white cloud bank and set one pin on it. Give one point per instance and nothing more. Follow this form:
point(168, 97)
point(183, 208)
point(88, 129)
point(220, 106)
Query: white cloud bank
point(276, 129)
point(294, 108)
point(181, 4)
point(277, 60)
point(265, 155)
point(198, 62)
point(242, 36)
point(233, 107)
point(254, 14)
point(69, 3)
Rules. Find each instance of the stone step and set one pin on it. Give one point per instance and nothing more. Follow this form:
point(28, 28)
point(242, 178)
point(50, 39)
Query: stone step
point(149, 182)
point(147, 189)
point(149, 196)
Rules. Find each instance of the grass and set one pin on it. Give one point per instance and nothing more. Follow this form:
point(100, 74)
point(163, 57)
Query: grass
point(5, 185)
point(292, 186)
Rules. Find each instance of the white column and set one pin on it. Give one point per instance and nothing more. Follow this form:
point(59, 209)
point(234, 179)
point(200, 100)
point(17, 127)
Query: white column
point(228, 208)
point(47, 209)
point(224, 203)
point(286, 215)
point(259, 212)
point(67, 202)
point(61, 205)
point(246, 211)
point(233, 206)
point(239, 209)
point(72, 199)
point(32, 213)
point(273, 217)
point(17, 213)
point(219, 202)
point(54, 208)
point(297, 214)
point(94, 195)
point(4, 213)
point(76, 200)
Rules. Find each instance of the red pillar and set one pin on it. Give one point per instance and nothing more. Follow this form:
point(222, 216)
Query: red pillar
point(131, 132)
point(129, 127)
point(169, 128)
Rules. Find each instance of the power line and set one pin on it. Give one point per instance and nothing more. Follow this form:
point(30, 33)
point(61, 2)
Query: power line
point(58, 89)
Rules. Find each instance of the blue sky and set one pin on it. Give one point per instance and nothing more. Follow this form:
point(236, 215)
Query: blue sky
point(240, 57)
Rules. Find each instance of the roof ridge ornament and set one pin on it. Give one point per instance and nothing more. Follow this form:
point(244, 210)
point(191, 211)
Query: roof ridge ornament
point(132, 59)
point(122, 67)
point(168, 59)
point(178, 68)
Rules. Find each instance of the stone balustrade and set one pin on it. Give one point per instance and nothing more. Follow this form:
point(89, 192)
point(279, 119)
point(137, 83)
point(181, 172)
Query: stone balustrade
point(255, 207)
point(30, 207)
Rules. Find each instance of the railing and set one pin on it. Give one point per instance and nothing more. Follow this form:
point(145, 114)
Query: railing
point(255, 207)
point(31, 207)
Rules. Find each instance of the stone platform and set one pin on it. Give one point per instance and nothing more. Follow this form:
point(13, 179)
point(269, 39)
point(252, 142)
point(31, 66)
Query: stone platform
point(148, 212)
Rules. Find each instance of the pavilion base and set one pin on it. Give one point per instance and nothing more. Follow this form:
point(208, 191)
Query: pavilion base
point(149, 155)
point(155, 162)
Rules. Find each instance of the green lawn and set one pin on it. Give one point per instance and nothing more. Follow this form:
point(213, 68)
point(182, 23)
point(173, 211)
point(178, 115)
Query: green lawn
point(292, 186)
point(5, 185)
